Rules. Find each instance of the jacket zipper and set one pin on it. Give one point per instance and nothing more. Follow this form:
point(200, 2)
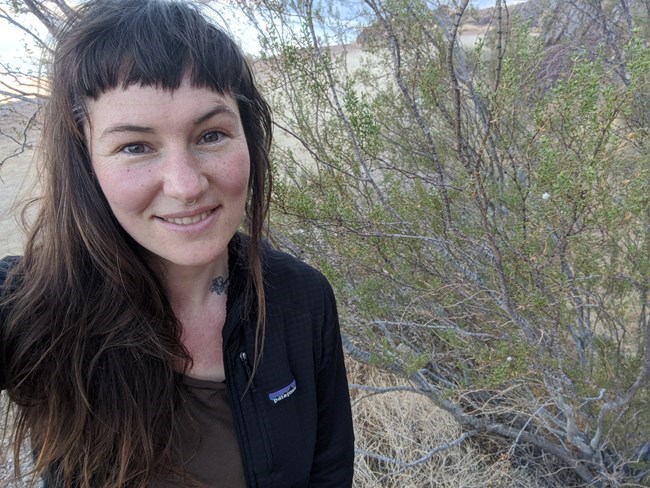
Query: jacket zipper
point(239, 421)
point(265, 438)
point(244, 359)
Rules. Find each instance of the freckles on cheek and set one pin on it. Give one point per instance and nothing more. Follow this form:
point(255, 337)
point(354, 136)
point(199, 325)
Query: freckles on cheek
point(125, 193)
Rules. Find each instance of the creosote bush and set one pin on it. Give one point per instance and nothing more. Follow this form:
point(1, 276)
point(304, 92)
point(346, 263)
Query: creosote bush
point(482, 211)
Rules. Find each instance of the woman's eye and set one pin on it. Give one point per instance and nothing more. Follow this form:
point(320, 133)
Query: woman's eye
point(134, 149)
point(212, 136)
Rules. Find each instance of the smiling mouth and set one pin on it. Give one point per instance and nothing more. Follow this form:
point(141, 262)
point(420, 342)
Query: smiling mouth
point(187, 220)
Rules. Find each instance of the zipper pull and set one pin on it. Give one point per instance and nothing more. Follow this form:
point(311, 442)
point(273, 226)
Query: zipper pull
point(244, 360)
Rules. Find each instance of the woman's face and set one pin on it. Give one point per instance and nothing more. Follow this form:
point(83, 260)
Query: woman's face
point(174, 167)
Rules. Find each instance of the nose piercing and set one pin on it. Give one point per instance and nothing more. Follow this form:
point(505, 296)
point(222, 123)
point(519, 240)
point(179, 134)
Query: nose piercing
point(189, 204)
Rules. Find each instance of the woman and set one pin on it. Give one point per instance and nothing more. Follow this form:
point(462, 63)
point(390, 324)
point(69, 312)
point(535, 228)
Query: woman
point(144, 341)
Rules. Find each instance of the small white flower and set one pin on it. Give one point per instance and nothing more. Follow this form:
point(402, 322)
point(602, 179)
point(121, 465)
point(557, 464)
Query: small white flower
point(509, 358)
point(546, 195)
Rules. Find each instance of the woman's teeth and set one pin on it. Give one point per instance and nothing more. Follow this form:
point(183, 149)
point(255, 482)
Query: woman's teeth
point(187, 220)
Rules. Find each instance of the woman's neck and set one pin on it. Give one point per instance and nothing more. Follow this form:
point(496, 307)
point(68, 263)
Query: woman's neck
point(194, 286)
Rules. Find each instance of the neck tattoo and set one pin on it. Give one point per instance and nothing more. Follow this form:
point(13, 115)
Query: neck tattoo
point(218, 285)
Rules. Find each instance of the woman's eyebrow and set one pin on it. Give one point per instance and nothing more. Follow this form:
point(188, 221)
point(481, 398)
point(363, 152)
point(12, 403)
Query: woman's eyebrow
point(220, 109)
point(126, 128)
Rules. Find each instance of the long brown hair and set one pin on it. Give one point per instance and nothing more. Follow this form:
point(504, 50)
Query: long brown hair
point(89, 339)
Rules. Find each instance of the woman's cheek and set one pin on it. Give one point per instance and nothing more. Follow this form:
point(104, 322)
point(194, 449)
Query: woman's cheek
point(126, 189)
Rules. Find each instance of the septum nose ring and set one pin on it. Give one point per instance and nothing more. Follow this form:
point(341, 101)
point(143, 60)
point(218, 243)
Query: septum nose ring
point(189, 204)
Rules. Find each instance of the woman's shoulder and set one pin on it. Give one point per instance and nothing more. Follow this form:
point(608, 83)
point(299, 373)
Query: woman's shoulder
point(6, 265)
point(278, 266)
point(287, 277)
point(277, 262)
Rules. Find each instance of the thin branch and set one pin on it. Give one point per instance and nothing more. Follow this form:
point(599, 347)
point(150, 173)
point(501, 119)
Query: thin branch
point(432, 452)
point(65, 8)
point(423, 126)
point(10, 19)
point(387, 389)
point(16, 96)
point(621, 401)
point(43, 15)
point(455, 87)
point(341, 113)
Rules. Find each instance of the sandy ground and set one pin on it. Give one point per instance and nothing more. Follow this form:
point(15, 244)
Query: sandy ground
point(16, 179)
point(16, 171)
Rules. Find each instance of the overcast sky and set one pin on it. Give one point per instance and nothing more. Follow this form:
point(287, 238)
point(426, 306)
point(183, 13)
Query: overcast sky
point(13, 40)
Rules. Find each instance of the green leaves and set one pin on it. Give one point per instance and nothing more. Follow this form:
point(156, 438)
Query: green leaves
point(498, 241)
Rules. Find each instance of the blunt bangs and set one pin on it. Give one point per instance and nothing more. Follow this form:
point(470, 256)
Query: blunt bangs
point(150, 43)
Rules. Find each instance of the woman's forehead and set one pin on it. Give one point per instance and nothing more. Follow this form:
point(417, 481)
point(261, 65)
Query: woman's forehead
point(156, 106)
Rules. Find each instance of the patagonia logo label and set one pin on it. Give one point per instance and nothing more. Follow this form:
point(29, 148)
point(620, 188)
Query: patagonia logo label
point(284, 393)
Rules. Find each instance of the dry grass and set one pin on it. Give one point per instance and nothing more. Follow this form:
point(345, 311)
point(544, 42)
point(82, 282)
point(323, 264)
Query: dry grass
point(406, 426)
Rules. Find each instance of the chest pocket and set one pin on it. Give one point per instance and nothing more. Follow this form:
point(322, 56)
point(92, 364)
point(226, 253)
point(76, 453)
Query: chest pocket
point(284, 392)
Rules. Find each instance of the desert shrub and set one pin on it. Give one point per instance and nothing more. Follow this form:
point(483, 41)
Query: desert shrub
point(482, 211)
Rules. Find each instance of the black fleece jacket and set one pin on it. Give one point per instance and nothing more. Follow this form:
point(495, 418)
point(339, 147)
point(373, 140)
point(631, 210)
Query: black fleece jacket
point(293, 420)
point(294, 424)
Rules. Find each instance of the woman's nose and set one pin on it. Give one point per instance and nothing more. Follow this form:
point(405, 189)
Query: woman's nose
point(183, 177)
